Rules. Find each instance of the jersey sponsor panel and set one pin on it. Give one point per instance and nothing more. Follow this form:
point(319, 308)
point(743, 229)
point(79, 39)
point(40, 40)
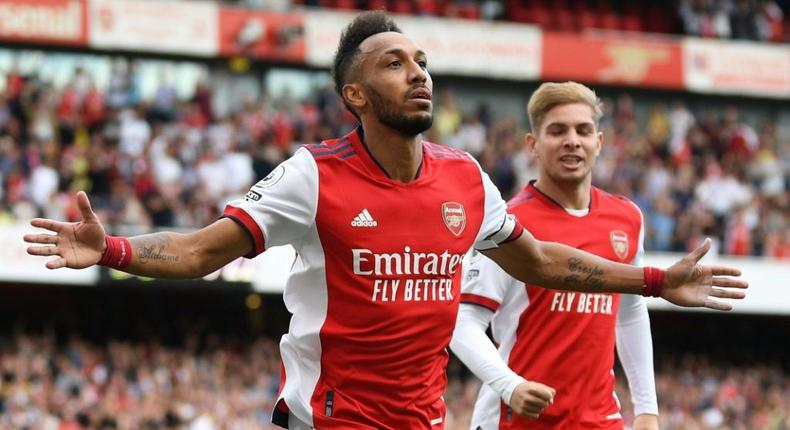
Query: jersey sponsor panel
point(375, 290)
point(563, 339)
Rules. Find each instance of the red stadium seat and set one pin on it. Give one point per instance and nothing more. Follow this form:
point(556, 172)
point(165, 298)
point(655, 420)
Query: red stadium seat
point(428, 7)
point(403, 6)
point(469, 11)
point(565, 20)
point(609, 21)
point(518, 14)
point(347, 4)
point(377, 4)
point(632, 23)
point(540, 16)
point(587, 19)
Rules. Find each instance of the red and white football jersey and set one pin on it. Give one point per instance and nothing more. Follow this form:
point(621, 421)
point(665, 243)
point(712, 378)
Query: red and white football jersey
point(563, 339)
point(375, 289)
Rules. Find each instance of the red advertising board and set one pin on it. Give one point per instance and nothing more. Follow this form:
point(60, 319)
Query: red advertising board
point(61, 22)
point(263, 35)
point(613, 58)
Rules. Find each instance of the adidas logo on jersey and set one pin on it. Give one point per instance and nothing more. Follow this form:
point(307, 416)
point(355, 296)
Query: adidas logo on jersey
point(363, 219)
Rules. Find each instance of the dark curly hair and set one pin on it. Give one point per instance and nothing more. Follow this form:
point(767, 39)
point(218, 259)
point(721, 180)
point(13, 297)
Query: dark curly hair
point(363, 26)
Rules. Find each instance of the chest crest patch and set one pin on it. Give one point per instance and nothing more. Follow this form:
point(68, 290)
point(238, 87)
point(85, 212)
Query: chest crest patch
point(619, 241)
point(454, 217)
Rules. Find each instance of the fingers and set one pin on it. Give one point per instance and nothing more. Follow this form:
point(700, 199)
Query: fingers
point(717, 305)
point(724, 270)
point(48, 224)
point(729, 283)
point(56, 263)
point(43, 250)
point(85, 207)
point(727, 294)
point(536, 398)
point(701, 250)
point(51, 239)
point(543, 393)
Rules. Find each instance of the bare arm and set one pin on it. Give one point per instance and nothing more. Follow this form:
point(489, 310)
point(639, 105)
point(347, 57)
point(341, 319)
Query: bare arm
point(553, 265)
point(191, 255)
point(558, 266)
point(161, 255)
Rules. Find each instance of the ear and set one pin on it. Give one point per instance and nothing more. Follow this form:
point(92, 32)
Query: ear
point(599, 141)
point(354, 95)
point(531, 142)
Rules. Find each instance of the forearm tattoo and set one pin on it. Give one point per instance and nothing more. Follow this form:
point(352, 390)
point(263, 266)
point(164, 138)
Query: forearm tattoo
point(582, 274)
point(148, 251)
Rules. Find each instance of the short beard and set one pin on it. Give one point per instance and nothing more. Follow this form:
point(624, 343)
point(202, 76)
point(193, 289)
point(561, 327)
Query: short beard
point(395, 119)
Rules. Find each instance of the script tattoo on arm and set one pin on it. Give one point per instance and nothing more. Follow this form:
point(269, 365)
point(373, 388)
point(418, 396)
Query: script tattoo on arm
point(582, 274)
point(149, 251)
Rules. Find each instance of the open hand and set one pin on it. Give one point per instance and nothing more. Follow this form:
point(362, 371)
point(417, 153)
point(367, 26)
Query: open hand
point(689, 284)
point(77, 244)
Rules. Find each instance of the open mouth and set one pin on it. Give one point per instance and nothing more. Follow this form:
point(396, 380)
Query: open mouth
point(571, 161)
point(420, 94)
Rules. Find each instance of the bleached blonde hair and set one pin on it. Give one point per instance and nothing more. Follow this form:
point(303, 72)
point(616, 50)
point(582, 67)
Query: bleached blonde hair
point(552, 94)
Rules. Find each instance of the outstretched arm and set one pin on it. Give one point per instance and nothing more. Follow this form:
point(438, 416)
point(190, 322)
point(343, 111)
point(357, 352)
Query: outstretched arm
point(553, 265)
point(161, 255)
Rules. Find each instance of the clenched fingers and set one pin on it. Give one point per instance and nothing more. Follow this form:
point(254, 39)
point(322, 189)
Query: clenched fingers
point(542, 393)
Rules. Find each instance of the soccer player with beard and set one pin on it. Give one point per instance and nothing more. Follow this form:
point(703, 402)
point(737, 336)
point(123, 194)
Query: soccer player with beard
point(381, 220)
point(565, 340)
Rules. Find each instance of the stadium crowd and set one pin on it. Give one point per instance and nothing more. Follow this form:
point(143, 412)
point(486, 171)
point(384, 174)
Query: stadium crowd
point(206, 383)
point(168, 162)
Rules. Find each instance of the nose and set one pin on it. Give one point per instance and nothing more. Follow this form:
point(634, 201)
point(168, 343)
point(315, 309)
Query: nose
point(572, 139)
point(417, 73)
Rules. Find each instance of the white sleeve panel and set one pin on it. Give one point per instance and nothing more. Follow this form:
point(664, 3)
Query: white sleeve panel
point(635, 350)
point(471, 345)
point(635, 346)
point(484, 279)
point(282, 206)
point(498, 226)
point(640, 253)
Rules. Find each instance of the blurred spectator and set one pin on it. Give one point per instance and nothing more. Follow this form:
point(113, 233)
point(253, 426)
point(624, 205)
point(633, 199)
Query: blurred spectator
point(204, 383)
point(174, 162)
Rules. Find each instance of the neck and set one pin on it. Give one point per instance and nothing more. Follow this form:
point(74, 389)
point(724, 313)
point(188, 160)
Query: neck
point(399, 155)
point(569, 195)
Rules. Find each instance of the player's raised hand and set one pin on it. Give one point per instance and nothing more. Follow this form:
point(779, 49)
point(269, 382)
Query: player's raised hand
point(687, 283)
point(77, 244)
point(529, 399)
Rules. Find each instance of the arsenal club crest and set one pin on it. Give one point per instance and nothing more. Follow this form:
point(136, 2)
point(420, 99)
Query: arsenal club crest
point(454, 217)
point(619, 243)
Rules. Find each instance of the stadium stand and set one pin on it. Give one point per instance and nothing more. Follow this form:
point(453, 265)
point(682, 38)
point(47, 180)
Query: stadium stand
point(170, 163)
point(764, 20)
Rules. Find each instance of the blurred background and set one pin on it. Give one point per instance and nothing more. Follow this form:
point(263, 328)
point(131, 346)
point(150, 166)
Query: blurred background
point(165, 110)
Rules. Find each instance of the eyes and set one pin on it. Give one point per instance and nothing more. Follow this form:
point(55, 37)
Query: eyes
point(582, 130)
point(396, 64)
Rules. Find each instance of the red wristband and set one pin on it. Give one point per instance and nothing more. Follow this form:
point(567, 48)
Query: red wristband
point(654, 281)
point(118, 254)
